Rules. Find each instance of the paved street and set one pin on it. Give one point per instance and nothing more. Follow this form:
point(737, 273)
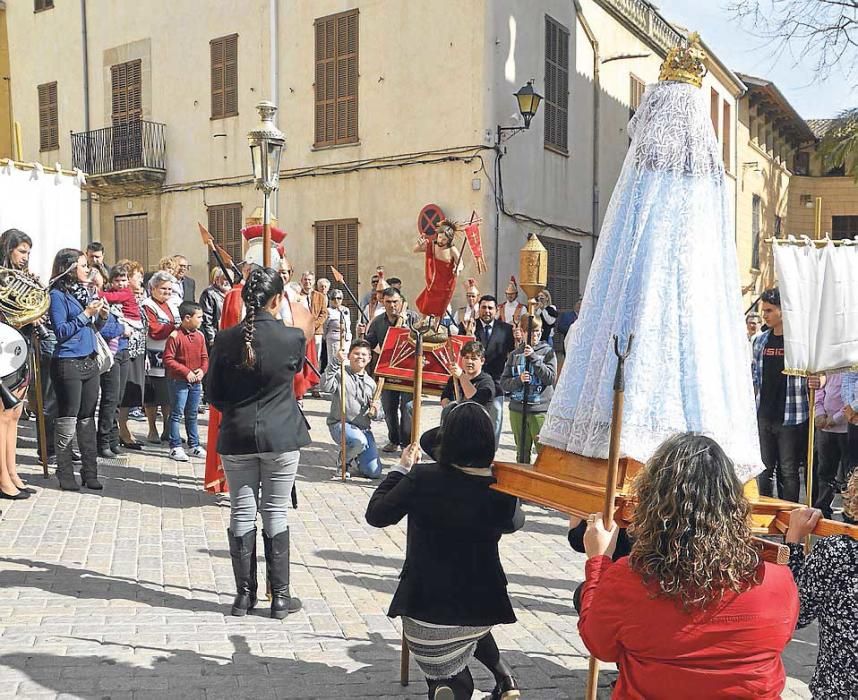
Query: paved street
point(126, 594)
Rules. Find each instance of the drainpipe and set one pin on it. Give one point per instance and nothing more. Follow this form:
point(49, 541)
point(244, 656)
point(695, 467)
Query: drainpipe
point(86, 124)
point(597, 106)
point(273, 55)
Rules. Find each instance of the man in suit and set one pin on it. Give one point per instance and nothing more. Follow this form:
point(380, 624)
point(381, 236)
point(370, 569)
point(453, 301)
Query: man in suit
point(496, 337)
point(188, 284)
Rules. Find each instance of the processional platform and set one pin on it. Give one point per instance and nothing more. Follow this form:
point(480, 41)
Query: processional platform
point(576, 485)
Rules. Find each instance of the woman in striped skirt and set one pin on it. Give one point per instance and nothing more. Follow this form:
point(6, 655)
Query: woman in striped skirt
point(452, 589)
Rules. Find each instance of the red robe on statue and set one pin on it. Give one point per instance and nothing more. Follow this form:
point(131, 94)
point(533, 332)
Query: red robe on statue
point(440, 285)
point(215, 479)
point(233, 313)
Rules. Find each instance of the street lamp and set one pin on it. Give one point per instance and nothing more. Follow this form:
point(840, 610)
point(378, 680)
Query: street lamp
point(528, 104)
point(266, 145)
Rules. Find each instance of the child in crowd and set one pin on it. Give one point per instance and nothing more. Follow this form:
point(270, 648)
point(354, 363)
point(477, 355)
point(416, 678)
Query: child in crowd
point(474, 384)
point(534, 364)
point(827, 592)
point(186, 361)
point(361, 451)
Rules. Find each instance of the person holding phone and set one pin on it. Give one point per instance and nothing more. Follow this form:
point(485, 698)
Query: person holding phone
point(76, 316)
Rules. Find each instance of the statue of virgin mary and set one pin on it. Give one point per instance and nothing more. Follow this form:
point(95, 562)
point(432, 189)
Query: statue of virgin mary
point(665, 270)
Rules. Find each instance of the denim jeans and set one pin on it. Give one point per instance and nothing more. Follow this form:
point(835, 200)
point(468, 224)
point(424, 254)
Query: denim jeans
point(273, 473)
point(184, 400)
point(397, 414)
point(360, 445)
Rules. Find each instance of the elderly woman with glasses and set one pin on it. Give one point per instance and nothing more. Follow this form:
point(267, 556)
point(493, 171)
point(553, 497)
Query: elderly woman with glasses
point(452, 588)
point(338, 325)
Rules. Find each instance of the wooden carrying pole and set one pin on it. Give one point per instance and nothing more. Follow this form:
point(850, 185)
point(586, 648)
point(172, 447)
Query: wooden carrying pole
point(811, 433)
point(40, 404)
point(613, 468)
point(522, 457)
point(405, 655)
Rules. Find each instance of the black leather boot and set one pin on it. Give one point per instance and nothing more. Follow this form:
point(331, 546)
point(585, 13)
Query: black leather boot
point(242, 551)
point(86, 441)
point(64, 429)
point(277, 565)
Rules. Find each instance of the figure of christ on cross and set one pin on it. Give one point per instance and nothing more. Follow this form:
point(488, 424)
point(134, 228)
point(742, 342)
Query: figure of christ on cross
point(443, 265)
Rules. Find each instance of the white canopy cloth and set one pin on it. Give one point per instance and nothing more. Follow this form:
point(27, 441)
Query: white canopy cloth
point(665, 269)
point(819, 301)
point(46, 206)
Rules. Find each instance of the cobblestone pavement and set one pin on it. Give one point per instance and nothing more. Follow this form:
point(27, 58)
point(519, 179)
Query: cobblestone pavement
point(125, 594)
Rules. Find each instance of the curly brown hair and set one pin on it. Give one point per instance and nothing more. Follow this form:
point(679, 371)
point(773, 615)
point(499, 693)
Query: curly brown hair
point(692, 540)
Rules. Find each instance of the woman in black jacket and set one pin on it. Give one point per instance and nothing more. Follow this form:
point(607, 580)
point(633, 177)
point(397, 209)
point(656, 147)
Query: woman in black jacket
point(251, 371)
point(452, 588)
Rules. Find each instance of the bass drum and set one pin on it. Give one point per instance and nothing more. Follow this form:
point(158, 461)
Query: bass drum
point(13, 358)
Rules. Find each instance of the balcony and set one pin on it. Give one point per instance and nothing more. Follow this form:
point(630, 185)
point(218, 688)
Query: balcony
point(122, 160)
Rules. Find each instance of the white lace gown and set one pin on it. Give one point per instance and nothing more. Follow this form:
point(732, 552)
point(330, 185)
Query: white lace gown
point(665, 269)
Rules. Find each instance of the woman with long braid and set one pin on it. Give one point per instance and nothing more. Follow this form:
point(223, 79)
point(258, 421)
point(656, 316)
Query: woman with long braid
point(250, 381)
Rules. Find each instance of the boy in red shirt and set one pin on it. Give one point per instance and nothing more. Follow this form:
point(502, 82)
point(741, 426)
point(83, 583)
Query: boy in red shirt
point(186, 361)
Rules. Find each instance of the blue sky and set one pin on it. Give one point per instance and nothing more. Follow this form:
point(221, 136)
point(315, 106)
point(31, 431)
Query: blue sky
point(744, 52)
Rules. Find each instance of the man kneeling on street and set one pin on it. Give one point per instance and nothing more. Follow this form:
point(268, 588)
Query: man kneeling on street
point(361, 452)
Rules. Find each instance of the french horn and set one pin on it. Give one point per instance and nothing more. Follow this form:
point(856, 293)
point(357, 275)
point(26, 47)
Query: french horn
point(22, 298)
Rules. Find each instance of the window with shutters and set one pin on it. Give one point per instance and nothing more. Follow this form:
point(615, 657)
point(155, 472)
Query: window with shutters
point(337, 245)
point(224, 69)
point(725, 140)
point(131, 238)
point(39, 5)
point(636, 91)
point(225, 228)
point(556, 86)
point(336, 79)
point(49, 132)
point(126, 85)
point(564, 271)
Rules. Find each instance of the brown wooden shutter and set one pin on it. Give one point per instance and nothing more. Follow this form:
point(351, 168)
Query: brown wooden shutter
point(336, 104)
point(225, 228)
point(337, 245)
point(556, 85)
point(564, 269)
point(726, 135)
point(126, 81)
point(224, 76)
point(49, 134)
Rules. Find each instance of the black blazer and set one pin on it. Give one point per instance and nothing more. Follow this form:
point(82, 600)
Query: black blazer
point(452, 573)
point(501, 344)
point(259, 411)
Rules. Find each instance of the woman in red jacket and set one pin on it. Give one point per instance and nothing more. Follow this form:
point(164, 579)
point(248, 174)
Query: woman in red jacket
point(693, 612)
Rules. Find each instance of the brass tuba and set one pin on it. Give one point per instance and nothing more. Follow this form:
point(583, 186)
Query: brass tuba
point(22, 297)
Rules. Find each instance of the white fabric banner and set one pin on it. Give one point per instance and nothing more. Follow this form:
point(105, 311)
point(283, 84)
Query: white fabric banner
point(46, 206)
point(819, 301)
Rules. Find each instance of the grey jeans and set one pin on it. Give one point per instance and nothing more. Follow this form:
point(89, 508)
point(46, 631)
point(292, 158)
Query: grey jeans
point(275, 473)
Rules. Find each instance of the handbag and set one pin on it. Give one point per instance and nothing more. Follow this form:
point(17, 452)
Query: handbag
point(103, 356)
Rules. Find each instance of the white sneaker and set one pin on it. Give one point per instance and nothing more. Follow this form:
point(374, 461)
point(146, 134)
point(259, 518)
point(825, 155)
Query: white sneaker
point(178, 454)
point(198, 451)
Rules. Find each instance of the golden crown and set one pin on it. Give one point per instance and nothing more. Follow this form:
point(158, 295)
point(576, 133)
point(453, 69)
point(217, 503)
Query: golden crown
point(685, 64)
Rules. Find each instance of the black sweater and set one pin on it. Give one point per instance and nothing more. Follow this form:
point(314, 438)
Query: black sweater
point(452, 573)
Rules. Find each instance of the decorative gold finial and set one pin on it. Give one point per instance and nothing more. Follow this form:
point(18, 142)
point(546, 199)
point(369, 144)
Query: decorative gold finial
point(685, 64)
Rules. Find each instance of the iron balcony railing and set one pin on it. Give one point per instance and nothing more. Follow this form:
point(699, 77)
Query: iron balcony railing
point(126, 146)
